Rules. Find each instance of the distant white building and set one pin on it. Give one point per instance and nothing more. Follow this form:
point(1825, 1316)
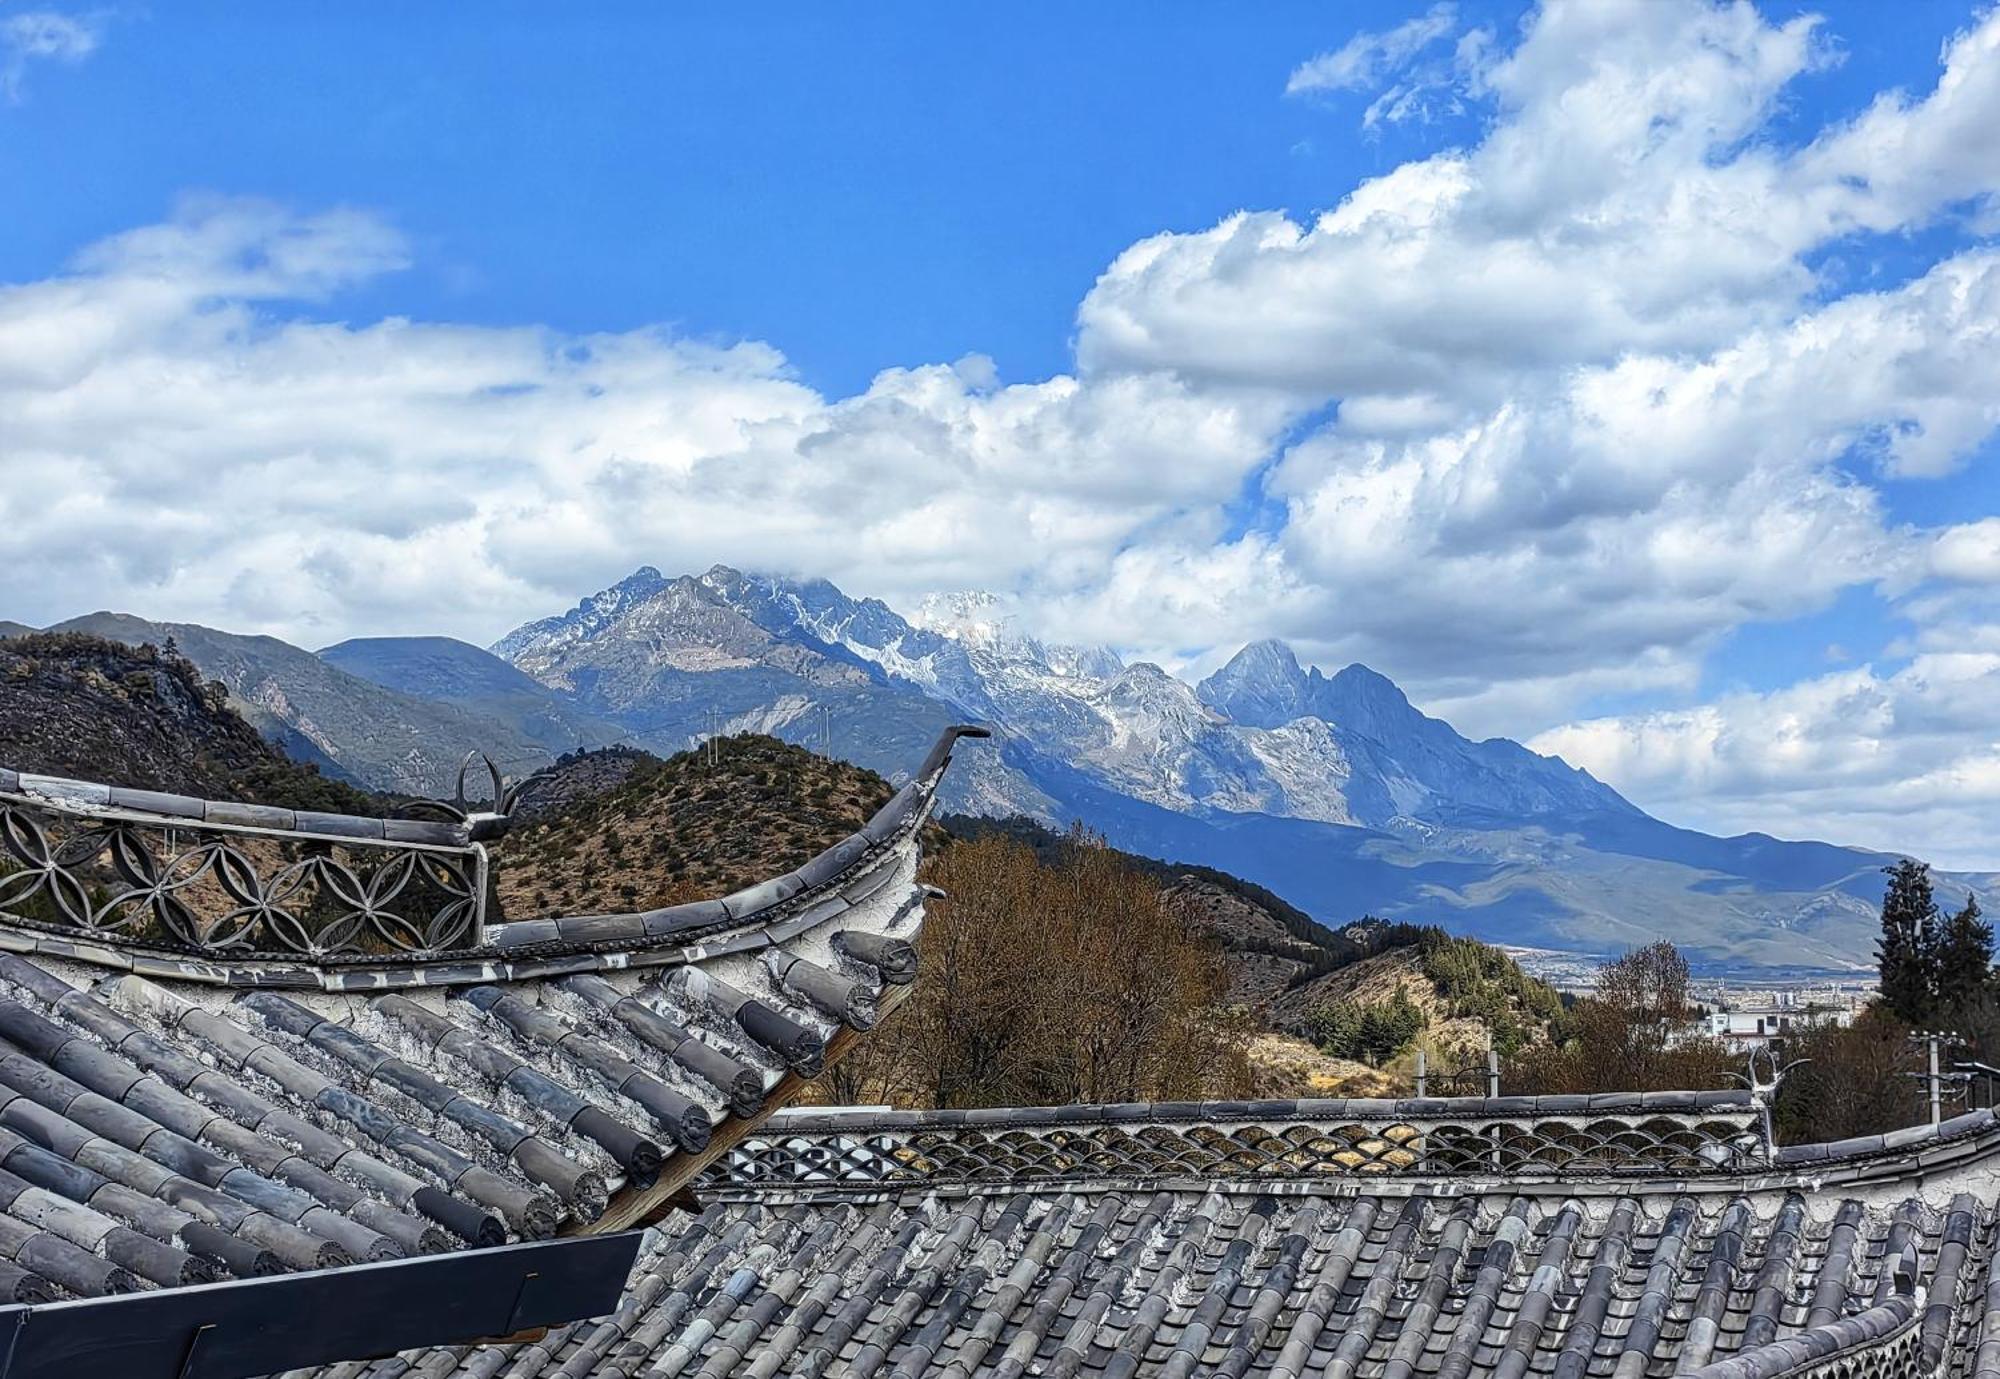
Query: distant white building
point(1755, 1027)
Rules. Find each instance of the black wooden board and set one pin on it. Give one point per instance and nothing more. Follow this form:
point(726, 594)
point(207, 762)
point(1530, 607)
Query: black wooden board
point(266, 1325)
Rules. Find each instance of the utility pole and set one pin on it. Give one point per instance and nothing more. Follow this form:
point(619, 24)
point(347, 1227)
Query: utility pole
point(1931, 1079)
point(1933, 1075)
point(1423, 1072)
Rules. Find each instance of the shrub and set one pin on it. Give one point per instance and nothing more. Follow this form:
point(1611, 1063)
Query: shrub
point(1371, 1033)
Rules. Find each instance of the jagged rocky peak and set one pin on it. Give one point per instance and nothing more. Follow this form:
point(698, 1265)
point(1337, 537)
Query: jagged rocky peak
point(1085, 662)
point(1368, 702)
point(588, 617)
point(815, 607)
point(1264, 686)
point(1144, 694)
point(1261, 686)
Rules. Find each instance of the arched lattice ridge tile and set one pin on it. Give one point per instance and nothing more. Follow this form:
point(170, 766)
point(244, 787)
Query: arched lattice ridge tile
point(180, 889)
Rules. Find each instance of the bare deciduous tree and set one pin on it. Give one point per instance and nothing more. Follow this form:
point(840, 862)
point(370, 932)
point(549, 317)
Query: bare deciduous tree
point(1630, 1036)
point(1052, 983)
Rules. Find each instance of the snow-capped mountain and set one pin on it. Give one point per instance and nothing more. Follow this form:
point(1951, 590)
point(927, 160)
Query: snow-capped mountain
point(1427, 770)
point(1333, 789)
point(544, 638)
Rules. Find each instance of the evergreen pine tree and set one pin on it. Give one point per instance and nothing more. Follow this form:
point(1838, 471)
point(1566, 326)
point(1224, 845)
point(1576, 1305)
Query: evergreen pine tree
point(1965, 958)
point(1908, 949)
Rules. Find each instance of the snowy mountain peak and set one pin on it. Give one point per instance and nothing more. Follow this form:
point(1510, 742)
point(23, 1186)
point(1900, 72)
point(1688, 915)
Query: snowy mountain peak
point(1264, 734)
point(977, 620)
point(1085, 662)
point(1261, 685)
point(983, 622)
point(1336, 785)
point(587, 618)
point(1142, 693)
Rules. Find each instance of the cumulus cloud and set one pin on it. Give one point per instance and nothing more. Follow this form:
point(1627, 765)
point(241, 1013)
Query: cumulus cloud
point(178, 438)
point(43, 36)
point(1969, 552)
point(1538, 419)
point(1901, 760)
point(1595, 407)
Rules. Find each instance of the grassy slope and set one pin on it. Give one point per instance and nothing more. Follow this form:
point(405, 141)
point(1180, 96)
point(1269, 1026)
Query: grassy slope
point(680, 828)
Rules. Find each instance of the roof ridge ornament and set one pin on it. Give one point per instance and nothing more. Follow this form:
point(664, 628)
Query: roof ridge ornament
point(1764, 1093)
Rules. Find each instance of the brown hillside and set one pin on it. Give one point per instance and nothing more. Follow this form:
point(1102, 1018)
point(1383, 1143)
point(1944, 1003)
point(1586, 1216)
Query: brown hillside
point(682, 828)
point(1283, 1065)
point(1373, 981)
point(575, 778)
point(1265, 958)
point(75, 705)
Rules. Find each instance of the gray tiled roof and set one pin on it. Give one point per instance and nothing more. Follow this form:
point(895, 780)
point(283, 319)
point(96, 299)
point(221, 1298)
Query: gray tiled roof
point(167, 1120)
point(1182, 1282)
point(1858, 1265)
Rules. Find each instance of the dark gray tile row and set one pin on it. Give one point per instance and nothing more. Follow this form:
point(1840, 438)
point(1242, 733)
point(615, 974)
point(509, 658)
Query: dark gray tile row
point(1184, 1283)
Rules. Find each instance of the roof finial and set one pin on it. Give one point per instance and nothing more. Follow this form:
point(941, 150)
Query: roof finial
point(1763, 1085)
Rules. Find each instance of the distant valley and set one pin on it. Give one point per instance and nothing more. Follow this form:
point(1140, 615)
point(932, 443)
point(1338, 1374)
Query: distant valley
point(1332, 790)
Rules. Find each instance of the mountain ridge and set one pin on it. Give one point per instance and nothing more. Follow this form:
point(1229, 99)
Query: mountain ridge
point(1333, 790)
point(319, 714)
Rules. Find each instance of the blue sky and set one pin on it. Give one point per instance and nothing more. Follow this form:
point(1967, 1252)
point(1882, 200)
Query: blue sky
point(654, 263)
point(862, 185)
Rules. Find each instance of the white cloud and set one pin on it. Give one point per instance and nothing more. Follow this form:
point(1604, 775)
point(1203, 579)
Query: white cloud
point(1969, 552)
point(179, 440)
point(43, 36)
point(1367, 57)
point(1595, 409)
point(1595, 400)
point(1902, 761)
